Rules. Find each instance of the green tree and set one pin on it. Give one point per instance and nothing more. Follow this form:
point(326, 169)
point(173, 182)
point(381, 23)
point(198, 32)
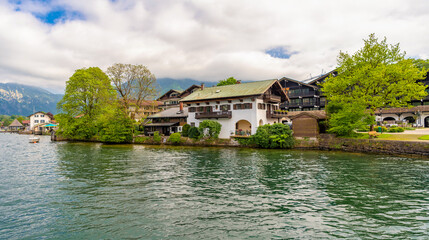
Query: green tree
point(228, 81)
point(88, 93)
point(344, 119)
point(376, 76)
point(115, 126)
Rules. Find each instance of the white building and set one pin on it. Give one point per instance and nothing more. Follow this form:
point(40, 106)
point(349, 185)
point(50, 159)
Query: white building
point(39, 118)
point(239, 108)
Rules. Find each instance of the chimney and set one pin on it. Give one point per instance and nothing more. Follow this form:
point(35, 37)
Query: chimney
point(238, 81)
point(202, 86)
point(181, 106)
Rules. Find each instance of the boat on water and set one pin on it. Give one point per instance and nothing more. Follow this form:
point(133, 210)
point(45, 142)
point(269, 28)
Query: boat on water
point(34, 139)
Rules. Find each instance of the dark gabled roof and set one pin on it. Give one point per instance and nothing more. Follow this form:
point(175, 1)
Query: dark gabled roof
point(15, 123)
point(232, 91)
point(168, 92)
point(313, 81)
point(189, 89)
point(296, 81)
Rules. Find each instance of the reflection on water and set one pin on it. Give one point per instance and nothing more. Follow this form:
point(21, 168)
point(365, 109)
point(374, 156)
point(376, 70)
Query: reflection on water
point(84, 190)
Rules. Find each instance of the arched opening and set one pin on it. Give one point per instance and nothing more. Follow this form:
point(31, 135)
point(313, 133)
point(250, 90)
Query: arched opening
point(426, 121)
point(410, 119)
point(261, 122)
point(243, 128)
point(389, 119)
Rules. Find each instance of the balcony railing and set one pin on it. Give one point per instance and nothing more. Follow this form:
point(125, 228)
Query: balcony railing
point(222, 114)
point(276, 114)
point(272, 98)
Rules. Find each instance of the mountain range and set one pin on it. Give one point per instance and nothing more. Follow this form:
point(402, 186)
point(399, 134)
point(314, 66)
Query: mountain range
point(19, 99)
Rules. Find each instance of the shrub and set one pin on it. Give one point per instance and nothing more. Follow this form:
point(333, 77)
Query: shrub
point(174, 138)
point(246, 141)
point(396, 129)
point(409, 128)
point(383, 129)
point(213, 126)
point(117, 129)
point(363, 129)
point(194, 133)
point(185, 130)
point(140, 139)
point(156, 137)
point(277, 135)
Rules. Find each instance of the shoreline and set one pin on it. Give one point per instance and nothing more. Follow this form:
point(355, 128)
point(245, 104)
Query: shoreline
point(325, 142)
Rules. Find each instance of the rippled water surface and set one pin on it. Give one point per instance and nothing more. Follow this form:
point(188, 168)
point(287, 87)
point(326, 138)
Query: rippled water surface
point(94, 191)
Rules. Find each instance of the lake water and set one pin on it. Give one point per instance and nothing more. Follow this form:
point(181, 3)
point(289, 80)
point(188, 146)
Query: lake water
point(58, 190)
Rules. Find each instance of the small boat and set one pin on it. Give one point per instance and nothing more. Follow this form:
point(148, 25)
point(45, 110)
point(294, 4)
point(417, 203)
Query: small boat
point(34, 139)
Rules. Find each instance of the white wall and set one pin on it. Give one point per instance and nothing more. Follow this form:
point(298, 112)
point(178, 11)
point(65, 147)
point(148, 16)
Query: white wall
point(253, 116)
point(37, 118)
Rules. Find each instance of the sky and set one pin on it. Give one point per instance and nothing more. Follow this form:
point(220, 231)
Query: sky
point(42, 42)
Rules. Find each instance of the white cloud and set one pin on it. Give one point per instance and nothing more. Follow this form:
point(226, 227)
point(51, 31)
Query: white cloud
point(206, 40)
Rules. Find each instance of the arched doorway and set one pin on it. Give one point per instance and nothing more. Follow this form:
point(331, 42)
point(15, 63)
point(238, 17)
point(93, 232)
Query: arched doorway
point(426, 121)
point(389, 119)
point(243, 128)
point(410, 119)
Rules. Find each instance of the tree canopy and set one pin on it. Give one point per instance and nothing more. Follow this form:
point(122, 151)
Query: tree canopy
point(134, 83)
point(228, 81)
point(376, 76)
point(87, 91)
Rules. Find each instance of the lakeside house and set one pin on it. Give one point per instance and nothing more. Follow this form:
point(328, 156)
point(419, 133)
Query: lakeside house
point(166, 122)
point(239, 108)
point(39, 118)
point(146, 108)
point(304, 95)
point(172, 97)
point(15, 126)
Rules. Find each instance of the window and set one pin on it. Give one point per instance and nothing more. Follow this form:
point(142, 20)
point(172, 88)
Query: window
point(192, 109)
point(242, 106)
point(36, 116)
point(261, 106)
point(42, 121)
point(36, 121)
point(225, 107)
point(192, 124)
point(42, 115)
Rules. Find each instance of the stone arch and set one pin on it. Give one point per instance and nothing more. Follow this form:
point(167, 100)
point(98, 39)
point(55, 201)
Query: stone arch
point(426, 121)
point(243, 127)
point(410, 119)
point(389, 119)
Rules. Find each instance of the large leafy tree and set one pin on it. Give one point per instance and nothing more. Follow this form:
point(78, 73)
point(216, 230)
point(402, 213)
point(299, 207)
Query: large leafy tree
point(88, 93)
point(228, 81)
point(376, 76)
point(134, 83)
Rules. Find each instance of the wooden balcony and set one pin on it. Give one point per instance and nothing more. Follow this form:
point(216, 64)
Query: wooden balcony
point(276, 114)
point(272, 98)
point(222, 114)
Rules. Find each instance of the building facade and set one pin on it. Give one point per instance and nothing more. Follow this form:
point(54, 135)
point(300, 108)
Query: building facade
point(39, 118)
point(239, 108)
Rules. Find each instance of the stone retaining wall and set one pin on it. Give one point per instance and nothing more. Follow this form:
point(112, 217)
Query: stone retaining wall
point(330, 142)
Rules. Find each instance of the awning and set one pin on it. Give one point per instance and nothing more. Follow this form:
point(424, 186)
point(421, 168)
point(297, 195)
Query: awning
point(50, 125)
point(161, 124)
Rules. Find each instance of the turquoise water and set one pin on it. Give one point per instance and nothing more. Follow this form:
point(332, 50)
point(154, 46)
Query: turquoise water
point(94, 191)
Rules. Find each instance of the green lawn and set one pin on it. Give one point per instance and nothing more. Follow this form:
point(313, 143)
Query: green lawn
point(394, 137)
point(424, 137)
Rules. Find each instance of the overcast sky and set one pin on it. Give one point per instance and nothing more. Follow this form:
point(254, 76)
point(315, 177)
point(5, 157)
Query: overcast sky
point(42, 42)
